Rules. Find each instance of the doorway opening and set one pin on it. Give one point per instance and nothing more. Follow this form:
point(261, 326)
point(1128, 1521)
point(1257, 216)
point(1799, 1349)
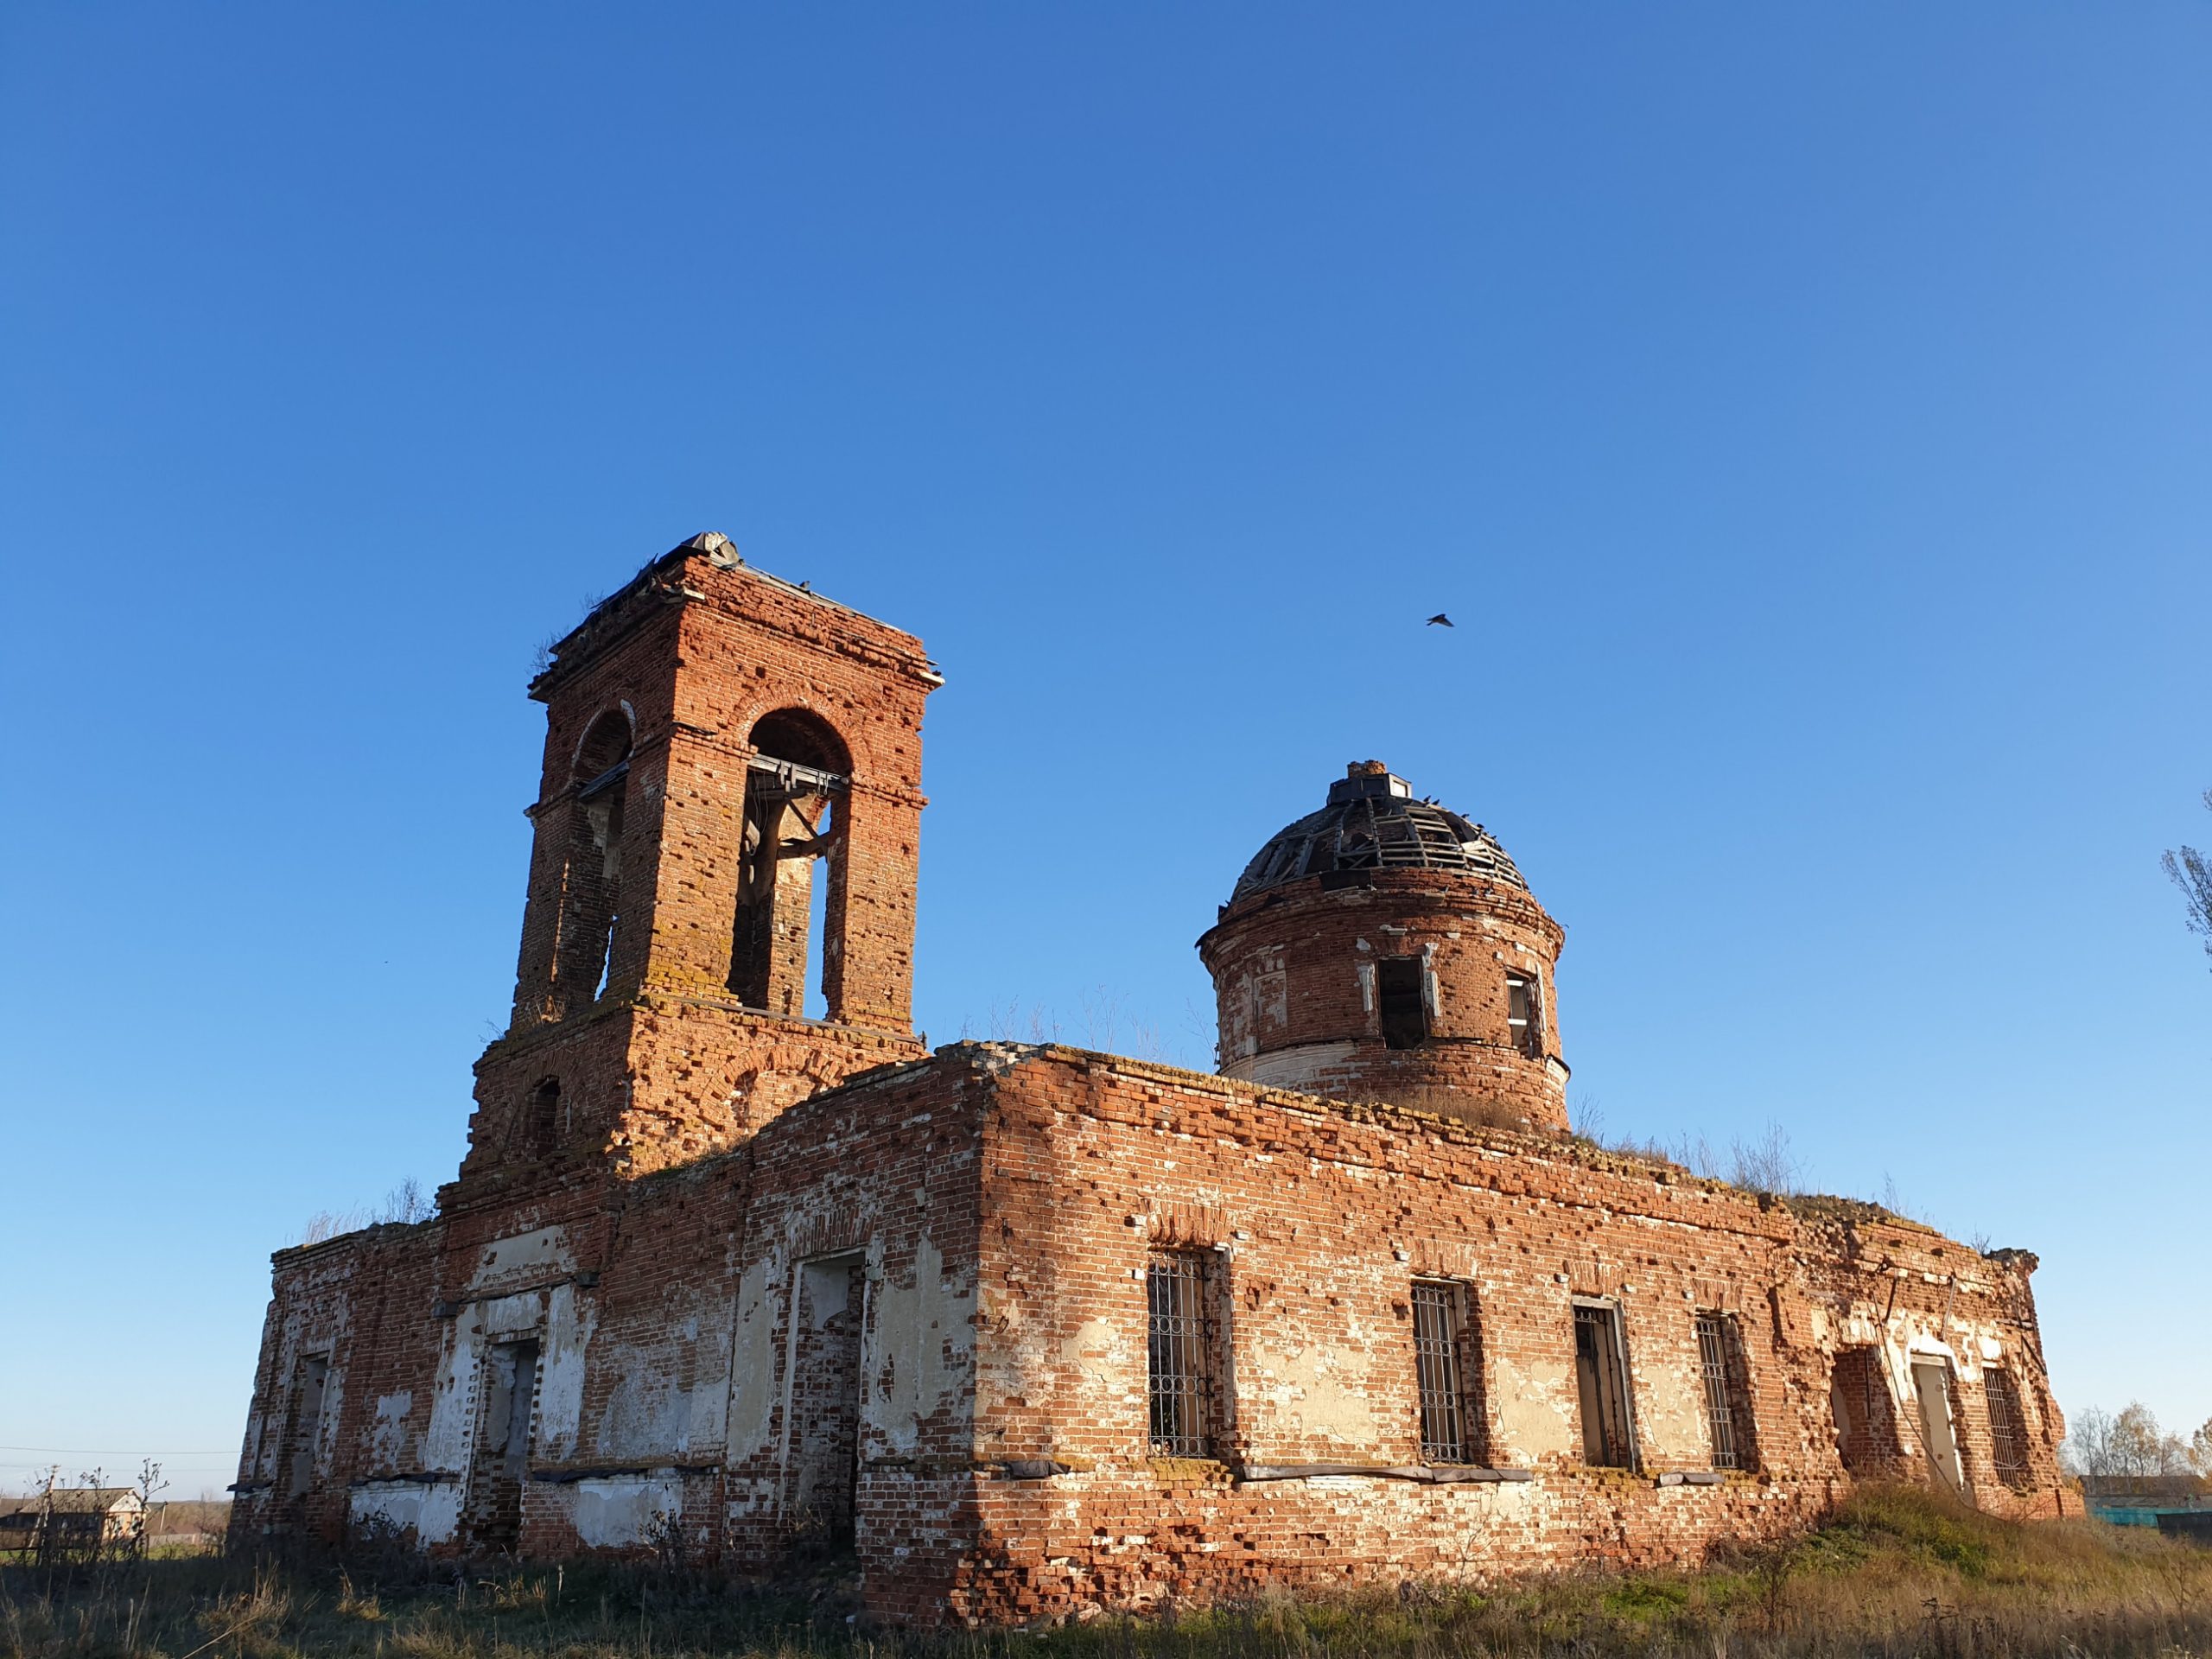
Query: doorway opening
point(831, 1316)
point(509, 1390)
point(1931, 1386)
point(305, 1437)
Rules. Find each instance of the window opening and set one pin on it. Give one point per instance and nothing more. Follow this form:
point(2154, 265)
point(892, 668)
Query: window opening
point(1727, 1391)
point(1524, 1014)
point(1865, 1424)
point(1179, 1371)
point(545, 1117)
point(306, 1421)
point(832, 1315)
point(1446, 1373)
point(1601, 1384)
point(1405, 1013)
point(791, 871)
point(2008, 1441)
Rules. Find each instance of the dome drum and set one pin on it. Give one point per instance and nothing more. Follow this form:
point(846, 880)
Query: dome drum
point(1361, 961)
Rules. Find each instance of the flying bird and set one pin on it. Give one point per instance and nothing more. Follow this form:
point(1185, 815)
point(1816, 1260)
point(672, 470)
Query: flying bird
point(1440, 620)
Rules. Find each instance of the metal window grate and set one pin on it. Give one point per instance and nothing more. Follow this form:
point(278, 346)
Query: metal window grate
point(1714, 1359)
point(2008, 1446)
point(1180, 1374)
point(1439, 1320)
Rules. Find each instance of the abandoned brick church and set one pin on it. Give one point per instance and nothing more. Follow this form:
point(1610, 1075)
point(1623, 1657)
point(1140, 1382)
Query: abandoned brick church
point(1034, 1330)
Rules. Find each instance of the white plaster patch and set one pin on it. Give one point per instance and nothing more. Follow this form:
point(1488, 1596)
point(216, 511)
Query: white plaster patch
point(752, 1366)
point(1321, 1393)
point(1536, 1409)
point(388, 1433)
point(1289, 1068)
point(618, 1511)
point(540, 1254)
point(1095, 1349)
point(433, 1511)
point(569, 1326)
point(925, 1351)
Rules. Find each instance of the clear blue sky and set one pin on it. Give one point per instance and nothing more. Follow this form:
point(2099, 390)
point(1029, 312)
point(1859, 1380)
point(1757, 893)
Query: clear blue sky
point(1804, 413)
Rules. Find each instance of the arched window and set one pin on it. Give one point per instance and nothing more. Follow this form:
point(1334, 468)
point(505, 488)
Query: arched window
point(792, 873)
point(542, 1125)
point(591, 898)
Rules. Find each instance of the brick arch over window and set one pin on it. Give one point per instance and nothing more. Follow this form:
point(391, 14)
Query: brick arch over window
point(591, 878)
point(803, 737)
point(542, 1123)
point(798, 786)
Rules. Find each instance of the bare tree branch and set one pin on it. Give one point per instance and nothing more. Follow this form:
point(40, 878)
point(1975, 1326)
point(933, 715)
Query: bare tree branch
point(2192, 871)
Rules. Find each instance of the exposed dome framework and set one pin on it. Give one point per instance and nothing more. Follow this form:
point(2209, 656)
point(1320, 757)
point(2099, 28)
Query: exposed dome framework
point(1373, 821)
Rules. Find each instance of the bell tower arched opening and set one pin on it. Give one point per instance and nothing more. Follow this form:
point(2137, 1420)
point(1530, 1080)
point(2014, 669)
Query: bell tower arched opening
point(591, 899)
point(790, 890)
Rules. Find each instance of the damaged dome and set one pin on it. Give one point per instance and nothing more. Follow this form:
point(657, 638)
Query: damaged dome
point(1372, 822)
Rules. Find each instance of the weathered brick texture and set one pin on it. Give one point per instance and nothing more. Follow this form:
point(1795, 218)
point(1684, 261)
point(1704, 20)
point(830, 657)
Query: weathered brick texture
point(718, 1278)
point(1347, 905)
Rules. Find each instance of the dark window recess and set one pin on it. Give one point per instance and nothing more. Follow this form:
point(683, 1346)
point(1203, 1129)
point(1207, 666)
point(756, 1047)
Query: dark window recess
point(1447, 1372)
point(2008, 1442)
point(1727, 1392)
point(545, 1116)
point(1601, 1384)
point(1179, 1373)
point(1524, 1014)
point(1405, 1011)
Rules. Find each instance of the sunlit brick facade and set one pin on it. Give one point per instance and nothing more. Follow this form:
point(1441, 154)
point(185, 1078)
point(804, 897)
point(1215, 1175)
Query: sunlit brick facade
point(1032, 1332)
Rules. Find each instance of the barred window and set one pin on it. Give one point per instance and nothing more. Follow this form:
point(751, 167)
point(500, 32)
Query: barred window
point(1447, 1373)
point(1181, 1369)
point(2008, 1444)
point(1727, 1392)
point(1601, 1386)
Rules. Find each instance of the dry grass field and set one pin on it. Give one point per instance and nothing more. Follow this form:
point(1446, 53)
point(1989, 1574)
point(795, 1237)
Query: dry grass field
point(1896, 1572)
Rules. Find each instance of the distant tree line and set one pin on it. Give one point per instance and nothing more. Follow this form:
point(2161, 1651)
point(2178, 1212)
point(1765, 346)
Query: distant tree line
point(2132, 1447)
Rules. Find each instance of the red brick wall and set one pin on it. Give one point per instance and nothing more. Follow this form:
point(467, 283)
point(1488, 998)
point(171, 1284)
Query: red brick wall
point(1320, 1216)
point(666, 1065)
point(1294, 975)
point(1001, 1203)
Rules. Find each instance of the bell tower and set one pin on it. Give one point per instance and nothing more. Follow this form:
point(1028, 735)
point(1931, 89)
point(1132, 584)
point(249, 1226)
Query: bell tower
point(719, 920)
